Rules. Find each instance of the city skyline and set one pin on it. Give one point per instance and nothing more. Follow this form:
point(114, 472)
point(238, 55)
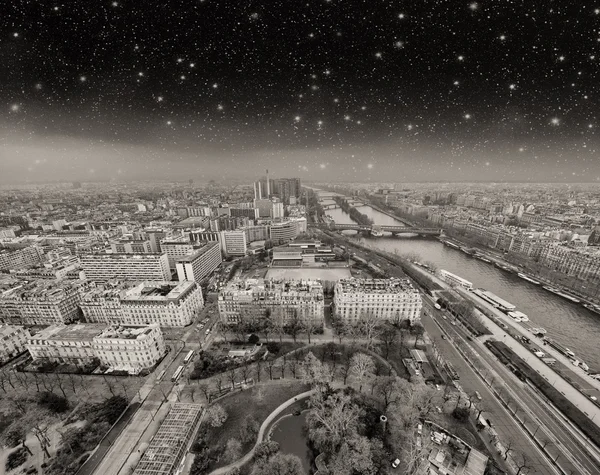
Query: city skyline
point(440, 91)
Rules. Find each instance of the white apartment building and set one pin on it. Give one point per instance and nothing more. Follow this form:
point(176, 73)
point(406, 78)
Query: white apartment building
point(137, 267)
point(200, 264)
point(167, 304)
point(12, 341)
point(176, 249)
point(42, 302)
point(129, 349)
point(287, 230)
point(388, 299)
point(286, 300)
point(234, 243)
point(20, 258)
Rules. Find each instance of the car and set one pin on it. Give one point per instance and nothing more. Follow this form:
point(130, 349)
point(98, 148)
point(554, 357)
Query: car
point(417, 372)
point(437, 305)
point(443, 337)
point(478, 396)
point(437, 386)
point(439, 409)
point(444, 317)
point(419, 429)
point(503, 326)
point(593, 398)
point(396, 463)
point(453, 323)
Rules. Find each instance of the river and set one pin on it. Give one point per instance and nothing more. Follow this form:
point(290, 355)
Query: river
point(566, 322)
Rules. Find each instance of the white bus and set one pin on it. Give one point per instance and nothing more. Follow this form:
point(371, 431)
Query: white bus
point(188, 357)
point(177, 374)
point(161, 375)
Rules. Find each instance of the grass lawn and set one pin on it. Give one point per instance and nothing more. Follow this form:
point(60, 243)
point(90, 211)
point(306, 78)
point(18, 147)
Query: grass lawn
point(258, 401)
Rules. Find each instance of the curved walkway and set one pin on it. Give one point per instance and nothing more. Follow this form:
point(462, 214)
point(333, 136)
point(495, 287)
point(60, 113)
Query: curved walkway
point(261, 433)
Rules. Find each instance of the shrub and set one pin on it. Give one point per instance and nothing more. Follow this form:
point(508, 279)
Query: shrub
point(53, 402)
point(14, 435)
point(461, 414)
point(253, 339)
point(273, 347)
point(16, 458)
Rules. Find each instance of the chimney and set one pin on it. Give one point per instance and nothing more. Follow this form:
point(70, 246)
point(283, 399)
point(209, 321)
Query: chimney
point(268, 185)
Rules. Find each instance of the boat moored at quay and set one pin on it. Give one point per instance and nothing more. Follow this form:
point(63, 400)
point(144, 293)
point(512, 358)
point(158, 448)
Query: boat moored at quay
point(562, 294)
point(528, 279)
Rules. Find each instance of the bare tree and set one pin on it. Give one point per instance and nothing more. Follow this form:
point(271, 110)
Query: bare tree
point(258, 369)
point(110, 385)
point(219, 382)
point(60, 384)
point(232, 375)
point(369, 327)
point(294, 326)
point(508, 445)
point(388, 337)
point(347, 364)
point(203, 387)
point(387, 389)
point(72, 382)
point(193, 390)
point(270, 365)
point(522, 464)
point(361, 367)
point(293, 364)
point(245, 371)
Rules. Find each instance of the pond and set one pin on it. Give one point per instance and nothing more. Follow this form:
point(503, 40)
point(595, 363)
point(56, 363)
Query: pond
point(289, 433)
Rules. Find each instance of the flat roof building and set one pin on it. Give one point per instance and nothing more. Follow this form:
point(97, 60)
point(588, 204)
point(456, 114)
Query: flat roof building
point(12, 341)
point(135, 267)
point(388, 299)
point(199, 264)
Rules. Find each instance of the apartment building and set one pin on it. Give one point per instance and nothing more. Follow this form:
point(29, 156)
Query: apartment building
point(168, 304)
point(125, 348)
point(12, 341)
point(42, 302)
point(176, 249)
point(20, 258)
point(131, 246)
point(287, 230)
point(284, 300)
point(200, 264)
point(388, 299)
point(135, 267)
point(234, 243)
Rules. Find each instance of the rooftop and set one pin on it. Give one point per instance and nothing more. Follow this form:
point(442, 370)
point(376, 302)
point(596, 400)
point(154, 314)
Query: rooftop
point(193, 256)
point(79, 332)
point(375, 286)
point(123, 256)
point(159, 291)
point(126, 333)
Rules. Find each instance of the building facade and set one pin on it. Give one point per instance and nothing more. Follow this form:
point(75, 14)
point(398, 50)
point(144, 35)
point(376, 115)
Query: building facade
point(20, 258)
point(393, 300)
point(12, 341)
point(167, 304)
point(200, 264)
point(234, 243)
point(136, 267)
point(42, 302)
point(284, 301)
point(130, 349)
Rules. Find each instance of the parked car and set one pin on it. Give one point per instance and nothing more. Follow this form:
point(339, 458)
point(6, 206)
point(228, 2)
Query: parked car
point(477, 395)
point(443, 337)
point(396, 463)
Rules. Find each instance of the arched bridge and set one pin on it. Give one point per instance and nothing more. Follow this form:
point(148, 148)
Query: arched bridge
point(390, 229)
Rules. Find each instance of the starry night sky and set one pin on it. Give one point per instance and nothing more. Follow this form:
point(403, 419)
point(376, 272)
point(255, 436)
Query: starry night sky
point(321, 89)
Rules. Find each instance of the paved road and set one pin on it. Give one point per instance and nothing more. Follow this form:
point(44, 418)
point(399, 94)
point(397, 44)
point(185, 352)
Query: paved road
point(577, 398)
point(500, 418)
point(570, 455)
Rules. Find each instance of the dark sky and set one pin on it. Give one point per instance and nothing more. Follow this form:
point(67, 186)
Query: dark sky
point(321, 89)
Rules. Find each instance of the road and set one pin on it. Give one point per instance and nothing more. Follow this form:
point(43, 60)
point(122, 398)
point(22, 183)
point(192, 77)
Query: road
point(155, 397)
point(495, 412)
point(562, 442)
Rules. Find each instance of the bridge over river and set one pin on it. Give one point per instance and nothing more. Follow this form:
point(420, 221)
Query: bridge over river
point(391, 229)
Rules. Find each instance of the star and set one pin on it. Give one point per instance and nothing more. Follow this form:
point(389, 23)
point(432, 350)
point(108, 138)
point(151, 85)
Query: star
point(346, 117)
point(467, 116)
point(297, 118)
point(409, 126)
point(115, 4)
point(401, 16)
point(378, 55)
point(192, 65)
point(521, 149)
point(15, 108)
point(182, 77)
point(512, 87)
point(456, 83)
point(55, 9)
point(561, 58)
point(590, 126)
point(141, 74)
point(215, 85)
point(220, 107)
point(473, 6)
point(461, 58)
point(370, 166)
point(180, 60)
point(169, 122)
point(322, 166)
point(502, 37)
point(399, 44)
point(160, 99)
point(82, 79)
point(319, 123)
point(555, 121)
point(15, 34)
point(38, 86)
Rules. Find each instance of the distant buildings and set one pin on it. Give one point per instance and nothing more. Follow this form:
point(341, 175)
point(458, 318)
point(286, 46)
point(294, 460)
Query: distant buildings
point(386, 299)
point(130, 349)
point(199, 264)
point(168, 304)
point(42, 302)
point(136, 267)
point(284, 301)
point(12, 341)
